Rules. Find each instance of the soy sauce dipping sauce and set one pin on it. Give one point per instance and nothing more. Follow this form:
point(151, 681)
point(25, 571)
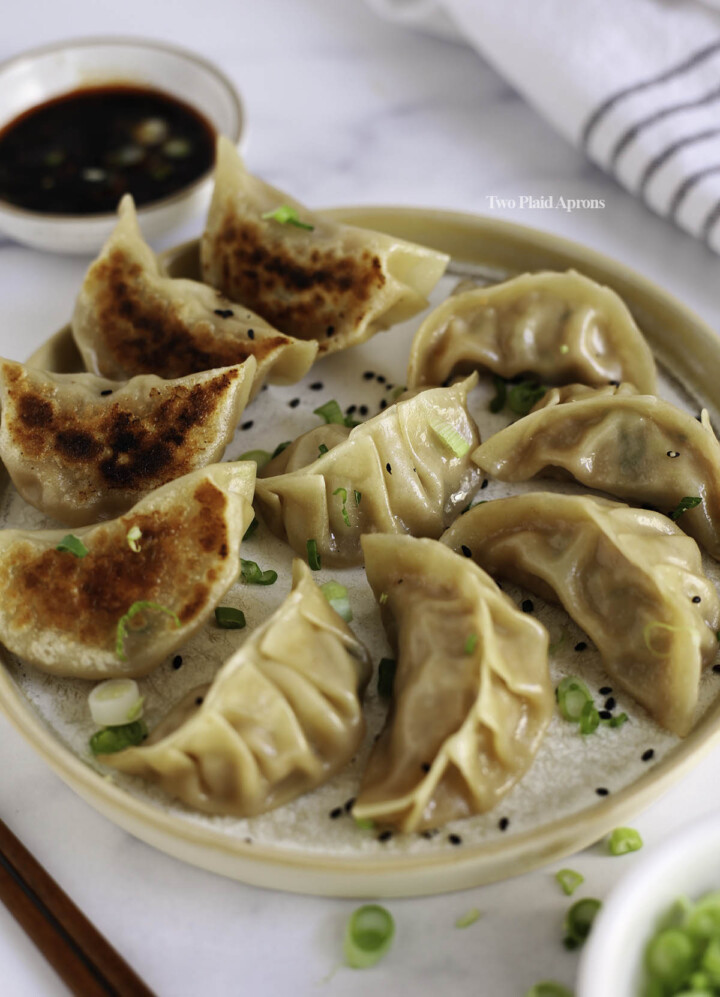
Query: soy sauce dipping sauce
point(77, 154)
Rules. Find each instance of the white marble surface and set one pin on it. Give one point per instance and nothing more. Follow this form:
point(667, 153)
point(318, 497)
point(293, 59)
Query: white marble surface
point(342, 109)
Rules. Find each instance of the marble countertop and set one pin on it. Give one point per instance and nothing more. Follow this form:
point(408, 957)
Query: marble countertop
point(342, 109)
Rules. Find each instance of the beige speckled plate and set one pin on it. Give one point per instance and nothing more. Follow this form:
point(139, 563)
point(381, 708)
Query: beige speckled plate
point(556, 808)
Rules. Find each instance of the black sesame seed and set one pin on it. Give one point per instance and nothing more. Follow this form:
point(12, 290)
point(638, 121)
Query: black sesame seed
point(605, 690)
point(199, 701)
point(615, 384)
point(504, 823)
point(716, 668)
point(696, 599)
point(389, 387)
point(248, 841)
point(425, 767)
point(485, 483)
point(673, 453)
point(369, 375)
point(384, 835)
point(350, 409)
point(177, 661)
point(601, 791)
point(388, 468)
point(466, 551)
point(380, 378)
point(647, 755)
point(106, 392)
point(527, 606)
point(247, 425)
point(610, 703)
point(335, 813)
point(363, 410)
point(251, 334)
point(224, 312)
point(454, 839)
point(316, 386)
point(383, 404)
point(582, 646)
point(430, 833)
point(349, 804)
point(605, 715)
point(330, 331)
point(294, 403)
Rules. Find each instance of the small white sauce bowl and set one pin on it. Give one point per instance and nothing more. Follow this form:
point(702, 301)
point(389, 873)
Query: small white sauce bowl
point(34, 77)
point(686, 864)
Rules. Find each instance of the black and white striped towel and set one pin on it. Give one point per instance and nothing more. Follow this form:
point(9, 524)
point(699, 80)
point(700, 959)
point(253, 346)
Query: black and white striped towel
point(634, 83)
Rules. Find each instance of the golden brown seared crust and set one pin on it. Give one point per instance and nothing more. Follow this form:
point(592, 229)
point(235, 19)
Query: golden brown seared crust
point(87, 596)
point(127, 451)
point(303, 298)
point(147, 337)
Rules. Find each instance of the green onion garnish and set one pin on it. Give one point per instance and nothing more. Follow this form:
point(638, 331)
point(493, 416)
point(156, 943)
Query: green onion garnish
point(548, 988)
point(342, 492)
point(261, 457)
point(572, 695)
point(251, 529)
point(322, 449)
point(589, 719)
point(564, 348)
point(112, 739)
point(468, 918)
point(386, 677)
point(579, 919)
point(252, 575)
point(337, 596)
point(623, 840)
point(331, 413)
point(670, 958)
point(558, 643)
point(133, 539)
point(115, 702)
point(453, 440)
point(617, 721)
point(364, 823)
point(312, 555)
point(383, 598)
point(569, 880)
point(470, 644)
point(229, 618)
point(689, 502)
point(287, 215)
point(71, 544)
point(279, 448)
point(522, 396)
point(368, 936)
point(138, 607)
point(358, 496)
point(498, 402)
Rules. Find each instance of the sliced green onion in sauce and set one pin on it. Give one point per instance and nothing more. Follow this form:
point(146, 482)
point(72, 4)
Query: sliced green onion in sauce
point(689, 502)
point(134, 535)
point(230, 618)
point(123, 622)
point(497, 404)
point(115, 702)
point(568, 880)
point(342, 492)
point(572, 696)
point(368, 936)
point(313, 557)
point(112, 739)
point(287, 215)
point(252, 575)
point(337, 597)
point(579, 919)
point(448, 435)
point(468, 918)
point(623, 840)
point(261, 457)
point(386, 677)
point(522, 396)
point(71, 544)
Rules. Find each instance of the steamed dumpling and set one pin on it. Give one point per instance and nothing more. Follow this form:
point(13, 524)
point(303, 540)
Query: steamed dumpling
point(394, 473)
point(281, 717)
point(629, 578)
point(472, 695)
point(130, 318)
point(324, 281)
point(577, 392)
point(637, 447)
point(81, 448)
point(561, 327)
point(60, 612)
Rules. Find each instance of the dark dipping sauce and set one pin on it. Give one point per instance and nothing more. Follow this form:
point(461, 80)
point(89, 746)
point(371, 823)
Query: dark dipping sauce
point(79, 153)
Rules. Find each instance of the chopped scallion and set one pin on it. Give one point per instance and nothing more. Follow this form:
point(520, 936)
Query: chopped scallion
point(623, 840)
point(332, 414)
point(368, 936)
point(123, 622)
point(468, 918)
point(364, 823)
point(252, 575)
point(229, 618)
point(618, 720)
point(548, 988)
point(313, 557)
point(569, 880)
point(497, 404)
point(386, 677)
point(133, 539)
point(383, 598)
point(71, 544)
point(115, 702)
point(589, 719)
point(342, 492)
point(470, 644)
point(287, 215)
point(113, 739)
point(251, 529)
point(572, 696)
point(452, 439)
point(322, 449)
point(689, 502)
point(279, 449)
point(261, 457)
point(579, 919)
point(358, 496)
point(337, 596)
point(522, 396)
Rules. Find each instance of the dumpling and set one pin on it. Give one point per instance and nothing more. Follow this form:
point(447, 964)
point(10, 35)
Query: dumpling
point(281, 716)
point(637, 447)
point(322, 281)
point(130, 318)
point(395, 473)
point(472, 695)
point(578, 392)
point(630, 578)
point(81, 448)
point(561, 327)
point(306, 448)
point(133, 597)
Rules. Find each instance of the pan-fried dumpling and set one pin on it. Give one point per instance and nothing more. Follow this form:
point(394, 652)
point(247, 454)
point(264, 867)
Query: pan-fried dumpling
point(561, 327)
point(136, 588)
point(576, 392)
point(81, 448)
point(317, 280)
point(637, 447)
point(130, 318)
point(281, 717)
point(395, 473)
point(472, 695)
point(630, 578)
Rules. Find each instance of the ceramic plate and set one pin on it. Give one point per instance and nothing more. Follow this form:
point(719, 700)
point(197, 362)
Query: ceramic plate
point(577, 789)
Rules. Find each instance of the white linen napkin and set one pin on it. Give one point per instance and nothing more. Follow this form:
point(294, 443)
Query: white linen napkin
point(634, 83)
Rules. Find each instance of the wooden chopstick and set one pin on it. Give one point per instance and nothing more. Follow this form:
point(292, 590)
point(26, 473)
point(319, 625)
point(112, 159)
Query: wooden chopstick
point(82, 957)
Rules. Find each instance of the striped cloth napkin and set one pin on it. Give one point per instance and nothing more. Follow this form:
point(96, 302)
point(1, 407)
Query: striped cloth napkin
point(635, 84)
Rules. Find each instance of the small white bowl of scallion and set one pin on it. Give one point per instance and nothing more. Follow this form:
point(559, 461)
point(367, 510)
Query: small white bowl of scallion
point(658, 934)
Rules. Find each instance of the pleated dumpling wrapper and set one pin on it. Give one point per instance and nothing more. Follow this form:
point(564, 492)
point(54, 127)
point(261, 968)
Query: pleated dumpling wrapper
point(559, 327)
point(281, 716)
point(629, 578)
point(81, 448)
point(636, 447)
point(406, 470)
point(471, 697)
point(131, 318)
point(309, 276)
point(116, 599)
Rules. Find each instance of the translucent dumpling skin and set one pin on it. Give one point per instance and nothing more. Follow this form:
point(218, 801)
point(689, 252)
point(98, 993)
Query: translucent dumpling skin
point(630, 578)
point(282, 715)
point(60, 610)
point(316, 280)
point(472, 695)
point(559, 327)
